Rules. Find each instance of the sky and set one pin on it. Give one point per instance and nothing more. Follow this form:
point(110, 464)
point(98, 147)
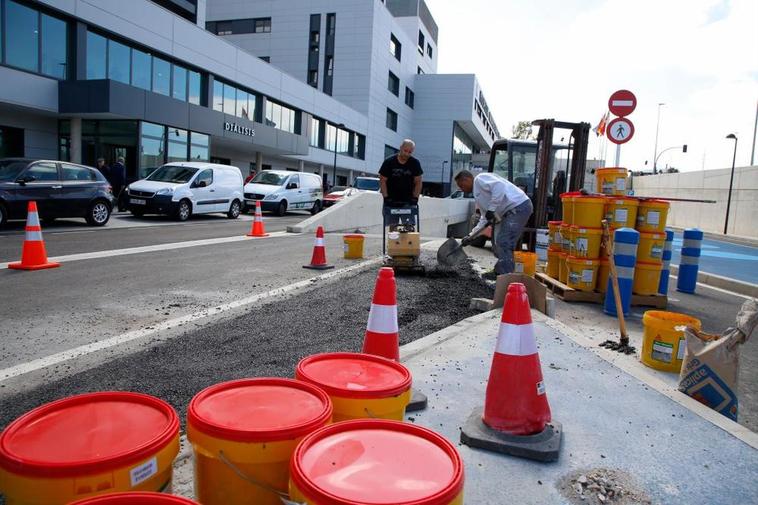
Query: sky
point(562, 59)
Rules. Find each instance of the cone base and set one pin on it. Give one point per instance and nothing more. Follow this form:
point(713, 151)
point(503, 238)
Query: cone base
point(318, 267)
point(544, 446)
point(418, 401)
point(257, 234)
point(20, 266)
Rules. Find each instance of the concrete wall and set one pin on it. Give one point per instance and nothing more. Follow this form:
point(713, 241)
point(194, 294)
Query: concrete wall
point(708, 185)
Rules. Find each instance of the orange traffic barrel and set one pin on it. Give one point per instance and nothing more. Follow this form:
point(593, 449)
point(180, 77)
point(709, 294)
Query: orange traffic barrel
point(136, 499)
point(360, 385)
point(86, 445)
point(250, 427)
point(377, 462)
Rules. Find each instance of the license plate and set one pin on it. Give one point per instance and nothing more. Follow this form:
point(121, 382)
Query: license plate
point(137, 201)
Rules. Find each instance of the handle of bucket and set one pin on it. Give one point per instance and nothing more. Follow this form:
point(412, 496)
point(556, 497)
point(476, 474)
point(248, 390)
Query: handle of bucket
point(284, 497)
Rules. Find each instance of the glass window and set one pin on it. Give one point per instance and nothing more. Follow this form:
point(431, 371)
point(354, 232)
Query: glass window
point(96, 48)
point(429, 51)
point(177, 144)
point(140, 69)
point(263, 25)
point(315, 131)
point(54, 47)
point(287, 120)
point(409, 97)
point(389, 151)
point(173, 173)
point(77, 173)
point(395, 47)
point(161, 76)
point(199, 147)
point(242, 108)
point(43, 172)
point(21, 36)
point(294, 179)
point(393, 84)
point(331, 23)
point(331, 135)
point(230, 100)
point(218, 96)
point(200, 139)
point(118, 62)
point(391, 120)
point(194, 87)
point(153, 149)
point(179, 88)
point(152, 129)
point(205, 176)
point(252, 106)
point(343, 143)
point(273, 114)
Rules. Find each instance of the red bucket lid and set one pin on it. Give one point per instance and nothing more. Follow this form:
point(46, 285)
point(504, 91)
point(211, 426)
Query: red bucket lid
point(354, 375)
point(102, 432)
point(259, 410)
point(137, 498)
point(377, 461)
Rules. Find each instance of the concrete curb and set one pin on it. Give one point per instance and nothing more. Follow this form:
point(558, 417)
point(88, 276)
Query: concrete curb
point(718, 281)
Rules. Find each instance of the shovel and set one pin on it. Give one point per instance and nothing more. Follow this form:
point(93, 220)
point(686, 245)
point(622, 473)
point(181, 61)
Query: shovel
point(451, 251)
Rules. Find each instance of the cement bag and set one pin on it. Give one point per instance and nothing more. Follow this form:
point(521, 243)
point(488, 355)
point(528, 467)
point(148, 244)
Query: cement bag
point(711, 363)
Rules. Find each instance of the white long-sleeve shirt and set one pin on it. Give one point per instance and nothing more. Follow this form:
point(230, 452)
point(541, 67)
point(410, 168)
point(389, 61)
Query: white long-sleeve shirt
point(494, 193)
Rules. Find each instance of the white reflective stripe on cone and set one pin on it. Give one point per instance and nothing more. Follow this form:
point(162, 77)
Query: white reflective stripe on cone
point(516, 340)
point(32, 219)
point(625, 272)
point(382, 319)
point(319, 242)
point(690, 260)
point(691, 243)
point(625, 249)
point(34, 236)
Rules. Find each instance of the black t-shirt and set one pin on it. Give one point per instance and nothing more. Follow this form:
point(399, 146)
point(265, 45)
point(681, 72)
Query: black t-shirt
point(400, 177)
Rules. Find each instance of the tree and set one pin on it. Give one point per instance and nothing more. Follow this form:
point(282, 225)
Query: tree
point(522, 130)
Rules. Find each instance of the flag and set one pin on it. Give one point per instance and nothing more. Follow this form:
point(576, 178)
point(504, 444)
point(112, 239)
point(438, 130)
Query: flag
point(600, 128)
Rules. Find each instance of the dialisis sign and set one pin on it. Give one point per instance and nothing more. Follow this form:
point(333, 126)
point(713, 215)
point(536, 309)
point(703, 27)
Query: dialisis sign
point(242, 130)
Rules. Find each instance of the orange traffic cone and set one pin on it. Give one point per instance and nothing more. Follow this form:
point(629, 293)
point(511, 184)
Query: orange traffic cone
point(33, 254)
point(258, 230)
point(318, 260)
point(382, 336)
point(516, 416)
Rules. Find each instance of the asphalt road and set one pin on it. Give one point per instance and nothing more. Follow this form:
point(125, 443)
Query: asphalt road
point(723, 258)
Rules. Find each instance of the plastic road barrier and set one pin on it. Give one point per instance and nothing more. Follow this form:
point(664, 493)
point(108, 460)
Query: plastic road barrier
point(663, 285)
point(689, 264)
point(625, 242)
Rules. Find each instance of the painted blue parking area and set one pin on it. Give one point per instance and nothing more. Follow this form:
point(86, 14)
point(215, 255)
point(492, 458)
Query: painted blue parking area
point(723, 258)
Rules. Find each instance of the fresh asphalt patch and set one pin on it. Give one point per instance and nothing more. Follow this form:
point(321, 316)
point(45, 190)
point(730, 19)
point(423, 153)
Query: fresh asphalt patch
point(269, 340)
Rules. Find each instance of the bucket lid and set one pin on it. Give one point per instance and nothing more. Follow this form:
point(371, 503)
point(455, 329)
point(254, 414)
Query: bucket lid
point(354, 375)
point(673, 318)
point(652, 202)
point(136, 498)
point(263, 409)
point(555, 223)
point(607, 170)
point(102, 432)
point(377, 461)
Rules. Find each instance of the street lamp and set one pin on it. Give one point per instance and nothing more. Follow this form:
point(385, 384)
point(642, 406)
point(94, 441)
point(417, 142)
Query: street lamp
point(657, 124)
point(655, 162)
point(442, 179)
point(334, 170)
point(731, 181)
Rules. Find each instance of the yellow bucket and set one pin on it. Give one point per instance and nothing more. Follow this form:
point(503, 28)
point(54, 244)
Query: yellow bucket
point(353, 246)
point(621, 212)
point(88, 445)
point(611, 181)
point(652, 215)
point(646, 278)
point(379, 462)
point(555, 242)
point(650, 249)
point(525, 262)
point(588, 211)
point(603, 272)
point(563, 268)
point(663, 345)
point(565, 237)
point(250, 426)
point(582, 273)
point(567, 202)
point(360, 385)
point(586, 242)
point(553, 264)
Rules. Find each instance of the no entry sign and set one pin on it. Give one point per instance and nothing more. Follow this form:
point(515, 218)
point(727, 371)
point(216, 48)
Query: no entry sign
point(622, 103)
point(620, 130)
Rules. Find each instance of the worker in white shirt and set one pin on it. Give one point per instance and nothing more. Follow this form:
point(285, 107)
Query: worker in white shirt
point(501, 202)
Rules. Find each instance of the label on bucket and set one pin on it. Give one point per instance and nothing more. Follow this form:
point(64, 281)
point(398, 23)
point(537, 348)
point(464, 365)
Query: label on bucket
point(581, 246)
point(519, 268)
point(141, 473)
point(574, 277)
point(656, 251)
point(662, 351)
point(587, 275)
point(621, 215)
point(607, 187)
point(620, 184)
point(653, 217)
point(540, 388)
point(680, 350)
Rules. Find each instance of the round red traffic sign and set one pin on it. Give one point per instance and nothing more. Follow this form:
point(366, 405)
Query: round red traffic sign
point(622, 102)
point(620, 130)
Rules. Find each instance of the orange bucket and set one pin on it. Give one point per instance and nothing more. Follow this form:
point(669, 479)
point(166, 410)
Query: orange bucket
point(565, 237)
point(567, 203)
point(553, 264)
point(621, 211)
point(525, 263)
point(555, 242)
point(652, 215)
point(588, 211)
point(586, 242)
point(611, 181)
point(582, 273)
point(650, 249)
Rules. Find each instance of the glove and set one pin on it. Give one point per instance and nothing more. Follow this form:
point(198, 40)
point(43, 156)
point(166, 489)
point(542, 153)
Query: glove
point(489, 216)
point(466, 241)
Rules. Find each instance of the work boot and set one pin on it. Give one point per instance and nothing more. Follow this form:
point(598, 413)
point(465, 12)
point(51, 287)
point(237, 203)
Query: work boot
point(489, 275)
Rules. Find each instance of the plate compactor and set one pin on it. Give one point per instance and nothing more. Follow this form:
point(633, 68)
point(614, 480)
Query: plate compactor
point(401, 240)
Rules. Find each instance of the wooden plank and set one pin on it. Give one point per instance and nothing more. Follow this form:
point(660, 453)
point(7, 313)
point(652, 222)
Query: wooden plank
point(655, 301)
point(537, 292)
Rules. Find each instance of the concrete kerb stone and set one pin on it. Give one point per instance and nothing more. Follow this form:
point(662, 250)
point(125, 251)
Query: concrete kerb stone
point(718, 281)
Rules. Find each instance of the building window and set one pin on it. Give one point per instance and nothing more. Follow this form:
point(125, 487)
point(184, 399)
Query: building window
point(267, 59)
point(195, 83)
point(141, 69)
point(96, 50)
point(389, 151)
point(429, 51)
point(421, 41)
point(391, 120)
point(393, 84)
point(331, 24)
point(243, 108)
point(263, 25)
point(161, 77)
point(419, 71)
point(329, 66)
point(230, 99)
point(54, 42)
point(34, 41)
point(179, 83)
point(280, 117)
point(199, 147)
point(409, 97)
point(152, 148)
point(177, 144)
point(11, 142)
point(218, 96)
point(118, 62)
point(239, 26)
point(395, 47)
point(313, 78)
point(316, 139)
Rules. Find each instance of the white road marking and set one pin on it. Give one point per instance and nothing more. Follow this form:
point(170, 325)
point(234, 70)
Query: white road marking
point(83, 350)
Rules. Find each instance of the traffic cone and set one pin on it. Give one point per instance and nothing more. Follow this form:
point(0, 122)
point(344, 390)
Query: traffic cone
point(516, 416)
point(33, 254)
point(258, 230)
point(318, 260)
point(382, 337)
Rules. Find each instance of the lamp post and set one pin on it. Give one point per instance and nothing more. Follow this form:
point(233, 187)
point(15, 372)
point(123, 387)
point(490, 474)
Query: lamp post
point(334, 170)
point(731, 181)
point(657, 124)
point(442, 179)
point(684, 150)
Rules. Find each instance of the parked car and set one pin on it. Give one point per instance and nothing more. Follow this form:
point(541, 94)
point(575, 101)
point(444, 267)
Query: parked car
point(366, 183)
point(338, 195)
point(61, 189)
point(281, 190)
point(181, 189)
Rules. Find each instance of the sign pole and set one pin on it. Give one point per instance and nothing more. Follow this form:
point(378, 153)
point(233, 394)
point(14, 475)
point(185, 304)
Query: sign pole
point(618, 156)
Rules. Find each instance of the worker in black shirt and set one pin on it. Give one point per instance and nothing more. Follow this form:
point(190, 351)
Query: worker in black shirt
point(400, 177)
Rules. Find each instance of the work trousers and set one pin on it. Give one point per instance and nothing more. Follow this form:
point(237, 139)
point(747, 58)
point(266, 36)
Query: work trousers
point(507, 235)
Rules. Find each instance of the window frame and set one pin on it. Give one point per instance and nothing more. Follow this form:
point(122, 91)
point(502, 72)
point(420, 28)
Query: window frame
point(393, 83)
point(397, 52)
point(391, 120)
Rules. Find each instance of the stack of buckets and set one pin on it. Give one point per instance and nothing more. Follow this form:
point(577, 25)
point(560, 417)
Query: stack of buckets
point(575, 257)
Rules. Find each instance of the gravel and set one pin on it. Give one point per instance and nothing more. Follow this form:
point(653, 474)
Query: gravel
point(601, 486)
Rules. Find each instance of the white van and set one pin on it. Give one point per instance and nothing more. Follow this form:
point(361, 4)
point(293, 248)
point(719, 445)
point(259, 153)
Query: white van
point(183, 188)
point(280, 190)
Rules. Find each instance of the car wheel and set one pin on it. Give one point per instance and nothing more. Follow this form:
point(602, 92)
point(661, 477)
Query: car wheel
point(316, 207)
point(99, 213)
point(282, 208)
point(183, 210)
point(234, 210)
point(3, 215)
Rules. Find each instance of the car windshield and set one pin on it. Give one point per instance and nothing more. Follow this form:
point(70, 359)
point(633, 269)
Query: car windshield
point(9, 169)
point(269, 178)
point(366, 183)
point(172, 173)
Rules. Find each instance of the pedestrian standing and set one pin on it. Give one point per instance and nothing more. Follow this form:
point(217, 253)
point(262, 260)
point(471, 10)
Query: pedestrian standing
point(118, 180)
point(400, 176)
point(103, 169)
